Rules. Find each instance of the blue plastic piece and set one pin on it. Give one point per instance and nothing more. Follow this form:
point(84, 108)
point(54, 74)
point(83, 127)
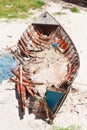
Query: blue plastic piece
point(52, 98)
point(7, 62)
point(54, 44)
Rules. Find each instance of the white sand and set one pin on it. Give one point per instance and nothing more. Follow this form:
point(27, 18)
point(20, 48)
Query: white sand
point(74, 110)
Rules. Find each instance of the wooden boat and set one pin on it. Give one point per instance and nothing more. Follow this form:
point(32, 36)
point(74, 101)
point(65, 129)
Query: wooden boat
point(48, 65)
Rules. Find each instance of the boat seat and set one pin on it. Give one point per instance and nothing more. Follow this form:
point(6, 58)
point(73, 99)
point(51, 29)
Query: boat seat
point(53, 98)
point(54, 89)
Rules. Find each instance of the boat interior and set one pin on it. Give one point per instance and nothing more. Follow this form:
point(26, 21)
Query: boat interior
point(50, 61)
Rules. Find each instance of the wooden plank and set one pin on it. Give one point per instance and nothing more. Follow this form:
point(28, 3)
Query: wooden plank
point(45, 18)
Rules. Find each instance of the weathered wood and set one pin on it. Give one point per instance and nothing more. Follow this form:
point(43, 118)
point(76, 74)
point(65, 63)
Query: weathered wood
point(36, 51)
point(45, 19)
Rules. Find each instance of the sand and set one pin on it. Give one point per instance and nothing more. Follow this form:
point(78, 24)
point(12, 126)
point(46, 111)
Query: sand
point(74, 110)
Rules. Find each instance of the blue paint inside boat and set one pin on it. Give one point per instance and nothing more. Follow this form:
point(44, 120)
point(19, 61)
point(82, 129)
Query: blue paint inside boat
point(7, 62)
point(52, 98)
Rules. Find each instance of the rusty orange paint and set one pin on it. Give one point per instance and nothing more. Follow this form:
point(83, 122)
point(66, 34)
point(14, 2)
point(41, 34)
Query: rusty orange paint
point(63, 45)
point(69, 73)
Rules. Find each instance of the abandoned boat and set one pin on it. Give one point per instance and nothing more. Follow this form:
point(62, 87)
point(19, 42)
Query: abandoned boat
point(48, 65)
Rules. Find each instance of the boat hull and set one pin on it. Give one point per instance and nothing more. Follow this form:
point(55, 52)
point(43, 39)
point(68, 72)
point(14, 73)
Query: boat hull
point(40, 43)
